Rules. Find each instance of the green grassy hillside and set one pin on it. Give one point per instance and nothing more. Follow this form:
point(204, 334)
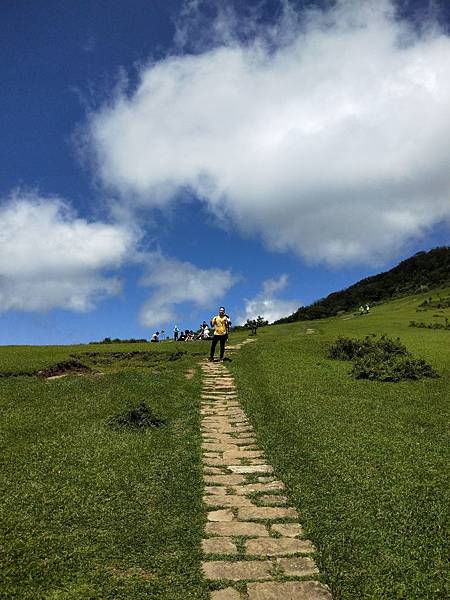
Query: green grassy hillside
point(421, 272)
point(365, 462)
point(88, 512)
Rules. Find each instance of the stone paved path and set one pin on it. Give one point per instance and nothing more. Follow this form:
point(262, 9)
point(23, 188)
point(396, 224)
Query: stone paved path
point(253, 545)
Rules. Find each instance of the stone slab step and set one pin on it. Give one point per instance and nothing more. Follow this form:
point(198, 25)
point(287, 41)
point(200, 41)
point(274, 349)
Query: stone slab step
point(288, 590)
point(278, 546)
point(237, 570)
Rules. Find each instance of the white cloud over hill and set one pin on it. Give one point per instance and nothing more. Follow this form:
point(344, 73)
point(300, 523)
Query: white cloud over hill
point(51, 259)
point(329, 136)
point(265, 304)
point(174, 282)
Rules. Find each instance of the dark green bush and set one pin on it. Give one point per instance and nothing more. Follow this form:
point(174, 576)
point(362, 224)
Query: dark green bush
point(351, 348)
point(423, 325)
point(380, 359)
point(177, 355)
point(394, 368)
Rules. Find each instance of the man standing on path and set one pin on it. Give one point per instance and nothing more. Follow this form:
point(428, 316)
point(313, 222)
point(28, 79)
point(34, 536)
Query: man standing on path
point(221, 324)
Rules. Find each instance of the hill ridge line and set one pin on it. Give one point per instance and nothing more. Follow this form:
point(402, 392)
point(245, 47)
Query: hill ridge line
point(422, 272)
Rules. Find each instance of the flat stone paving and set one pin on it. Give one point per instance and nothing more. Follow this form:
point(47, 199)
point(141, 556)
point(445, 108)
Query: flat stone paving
point(252, 538)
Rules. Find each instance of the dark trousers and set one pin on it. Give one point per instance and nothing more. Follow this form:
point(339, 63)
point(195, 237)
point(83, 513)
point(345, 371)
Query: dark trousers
point(215, 340)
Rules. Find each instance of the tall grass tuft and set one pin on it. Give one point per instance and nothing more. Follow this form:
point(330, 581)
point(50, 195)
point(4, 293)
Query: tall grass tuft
point(137, 419)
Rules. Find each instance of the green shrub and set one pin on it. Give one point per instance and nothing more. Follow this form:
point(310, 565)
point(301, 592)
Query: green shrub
point(394, 368)
point(422, 325)
point(380, 359)
point(351, 348)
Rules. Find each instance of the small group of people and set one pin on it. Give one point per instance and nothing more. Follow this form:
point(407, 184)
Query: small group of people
point(220, 324)
point(364, 310)
point(203, 333)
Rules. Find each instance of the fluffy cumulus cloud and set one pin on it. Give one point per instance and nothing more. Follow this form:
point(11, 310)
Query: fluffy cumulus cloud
point(51, 259)
point(267, 305)
point(327, 135)
point(174, 282)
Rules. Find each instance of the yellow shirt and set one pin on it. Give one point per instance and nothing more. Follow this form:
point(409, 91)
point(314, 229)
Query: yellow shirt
point(220, 325)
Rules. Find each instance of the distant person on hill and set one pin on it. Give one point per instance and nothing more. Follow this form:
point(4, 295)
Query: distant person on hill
point(155, 337)
point(175, 333)
point(367, 309)
point(221, 325)
point(361, 310)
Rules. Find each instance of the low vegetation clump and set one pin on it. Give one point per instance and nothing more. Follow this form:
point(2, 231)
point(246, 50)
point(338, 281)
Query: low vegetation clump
point(381, 359)
point(429, 304)
point(139, 418)
point(176, 355)
point(391, 369)
point(351, 348)
point(422, 325)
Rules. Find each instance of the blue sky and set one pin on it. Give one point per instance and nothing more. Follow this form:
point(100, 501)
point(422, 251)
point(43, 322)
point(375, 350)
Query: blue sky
point(159, 159)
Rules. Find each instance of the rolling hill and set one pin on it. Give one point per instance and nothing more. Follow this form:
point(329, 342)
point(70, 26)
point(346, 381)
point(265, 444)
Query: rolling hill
point(423, 271)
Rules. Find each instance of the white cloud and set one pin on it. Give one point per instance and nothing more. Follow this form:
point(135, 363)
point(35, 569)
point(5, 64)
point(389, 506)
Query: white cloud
point(266, 305)
point(175, 282)
point(51, 259)
point(270, 286)
point(328, 136)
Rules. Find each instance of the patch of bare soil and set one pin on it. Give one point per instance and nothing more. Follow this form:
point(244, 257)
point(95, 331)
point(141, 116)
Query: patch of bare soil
point(190, 374)
point(132, 572)
point(62, 369)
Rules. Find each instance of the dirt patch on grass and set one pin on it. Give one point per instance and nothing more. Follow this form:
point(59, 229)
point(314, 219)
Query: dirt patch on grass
point(138, 356)
point(139, 572)
point(63, 369)
point(190, 374)
point(110, 357)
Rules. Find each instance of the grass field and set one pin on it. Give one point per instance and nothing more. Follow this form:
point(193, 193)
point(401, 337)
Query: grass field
point(91, 513)
point(366, 463)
